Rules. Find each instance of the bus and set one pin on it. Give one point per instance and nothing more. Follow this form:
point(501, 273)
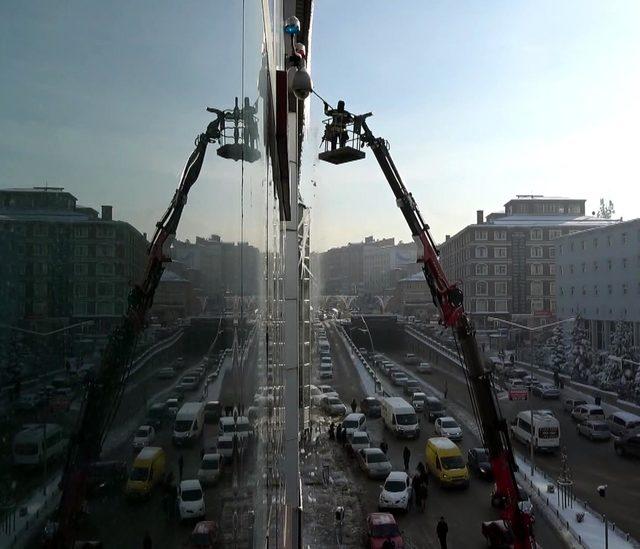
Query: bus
point(545, 430)
point(37, 443)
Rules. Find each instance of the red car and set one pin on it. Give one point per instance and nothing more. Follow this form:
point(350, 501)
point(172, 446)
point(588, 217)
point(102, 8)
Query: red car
point(204, 535)
point(380, 528)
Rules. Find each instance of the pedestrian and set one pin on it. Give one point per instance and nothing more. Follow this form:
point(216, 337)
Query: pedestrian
point(354, 405)
point(332, 431)
point(442, 530)
point(424, 493)
point(446, 388)
point(201, 453)
point(406, 456)
point(181, 465)
point(415, 488)
point(146, 542)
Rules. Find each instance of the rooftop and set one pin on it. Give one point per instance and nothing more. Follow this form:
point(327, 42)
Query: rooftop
point(586, 221)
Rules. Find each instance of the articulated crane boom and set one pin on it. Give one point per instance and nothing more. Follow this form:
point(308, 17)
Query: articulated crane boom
point(341, 147)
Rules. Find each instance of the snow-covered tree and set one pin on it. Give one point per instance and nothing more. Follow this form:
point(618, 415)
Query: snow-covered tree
point(558, 352)
point(618, 373)
point(581, 356)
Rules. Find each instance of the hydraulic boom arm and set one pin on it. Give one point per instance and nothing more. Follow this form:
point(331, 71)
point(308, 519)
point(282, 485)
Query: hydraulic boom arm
point(103, 392)
point(448, 298)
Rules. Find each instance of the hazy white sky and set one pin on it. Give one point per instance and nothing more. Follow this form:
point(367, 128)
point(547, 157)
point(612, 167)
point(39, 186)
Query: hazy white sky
point(479, 100)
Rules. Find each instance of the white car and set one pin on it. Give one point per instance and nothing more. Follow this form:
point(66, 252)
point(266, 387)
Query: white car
point(425, 368)
point(190, 500)
point(210, 468)
point(587, 411)
point(358, 440)
point(399, 378)
point(333, 406)
point(144, 437)
point(374, 462)
point(448, 427)
point(396, 492)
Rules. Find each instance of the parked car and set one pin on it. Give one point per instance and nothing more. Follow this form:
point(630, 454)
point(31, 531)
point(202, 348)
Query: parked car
point(546, 390)
point(374, 462)
point(380, 528)
point(210, 468)
point(371, 407)
point(358, 440)
point(594, 429)
point(190, 499)
point(333, 406)
point(204, 536)
point(172, 405)
point(188, 383)
point(166, 373)
point(418, 400)
point(434, 408)
point(410, 359)
point(478, 462)
point(587, 411)
point(424, 368)
point(448, 427)
point(571, 403)
point(144, 436)
point(355, 422)
point(628, 445)
point(396, 492)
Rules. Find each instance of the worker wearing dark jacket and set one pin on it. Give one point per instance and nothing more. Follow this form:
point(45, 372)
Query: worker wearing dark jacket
point(442, 530)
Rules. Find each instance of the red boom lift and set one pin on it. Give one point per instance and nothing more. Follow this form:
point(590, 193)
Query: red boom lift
point(345, 137)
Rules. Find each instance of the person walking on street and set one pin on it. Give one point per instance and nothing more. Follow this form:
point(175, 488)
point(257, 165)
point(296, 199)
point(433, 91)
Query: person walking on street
point(406, 456)
point(180, 465)
point(146, 542)
point(332, 433)
point(446, 389)
point(422, 488)
point(417, 493)
point(442, 530)
point(354, 405)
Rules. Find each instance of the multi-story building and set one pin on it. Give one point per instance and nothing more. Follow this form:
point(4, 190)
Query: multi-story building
point(413, 297)
point(598, 277)
point(506, 262)
point(372, 266)
point(63, 261)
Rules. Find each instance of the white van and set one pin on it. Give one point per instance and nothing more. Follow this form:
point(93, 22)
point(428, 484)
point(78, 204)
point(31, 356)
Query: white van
point(355, 422)
point(623, 423)
point(38, 442)
point(400, 417)
point(189, 422)
point(545, 431)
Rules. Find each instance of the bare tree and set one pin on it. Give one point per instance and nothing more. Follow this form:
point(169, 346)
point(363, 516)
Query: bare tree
point(606, 210)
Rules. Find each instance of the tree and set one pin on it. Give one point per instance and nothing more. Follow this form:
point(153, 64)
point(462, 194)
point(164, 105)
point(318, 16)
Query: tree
point(606, 210)
point(558, 354)
point(621, 348)
point(581, 356)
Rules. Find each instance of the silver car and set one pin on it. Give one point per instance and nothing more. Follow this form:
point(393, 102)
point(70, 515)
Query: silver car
point(594, 430)
point(374, 462)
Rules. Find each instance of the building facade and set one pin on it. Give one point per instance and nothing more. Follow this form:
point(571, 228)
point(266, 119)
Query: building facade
point(66, 262)
point(506, 263)
point(598, 277)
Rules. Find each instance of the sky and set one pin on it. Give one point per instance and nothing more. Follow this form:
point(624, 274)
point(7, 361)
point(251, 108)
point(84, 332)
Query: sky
point(479, 101)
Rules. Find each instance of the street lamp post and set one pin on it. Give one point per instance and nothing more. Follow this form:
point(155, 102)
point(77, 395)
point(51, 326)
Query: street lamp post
point(530, 330)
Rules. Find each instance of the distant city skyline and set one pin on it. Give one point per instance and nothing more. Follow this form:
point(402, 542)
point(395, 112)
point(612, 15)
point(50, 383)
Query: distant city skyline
point(478, 104)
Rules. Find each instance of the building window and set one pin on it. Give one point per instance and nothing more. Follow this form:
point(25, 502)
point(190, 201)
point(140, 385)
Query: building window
point(552, 251)
point(609, 289)
point(584, 290)
point(500, 235)
point(624, 238)
point(105, 308)
point(81, 232)
point(571, 245)
point(561, 249)
point(624, 262)
point(481, 305)
point(105, 289)
point(571, 269)
point(482, 269)
point(104, 269)
point(536, 234)
point(552, 288)
point(608, 240)
point(500, 253)
point(105, 232)
point(80, 289)
point(595, 242)
point(552, 305)
point(79, 308)
point(625, 288)
point(500, 306)
point(104, 250)
point(536, 251)
point(499, 270)
point(584, 267)
point(81, 269)
point(595, 265)
point(481, 288)
point(501, 288)
point(554, 233)
point(536, 269)
point(595, 289)
point(40, 230)
point(81, 251)
point(561, 270)
point(561, 290)
point(537, 305)
point(609, 264)
point(573, 290)
point(536, 288)
point(552, 269)
point(481, 251)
